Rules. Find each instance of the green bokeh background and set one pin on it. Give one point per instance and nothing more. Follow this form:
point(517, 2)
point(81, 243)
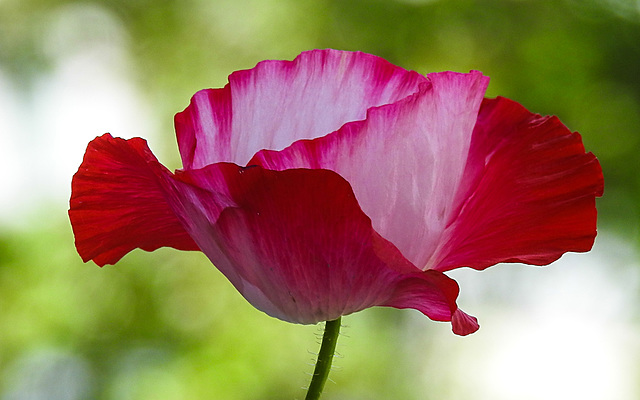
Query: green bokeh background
point(167, 325)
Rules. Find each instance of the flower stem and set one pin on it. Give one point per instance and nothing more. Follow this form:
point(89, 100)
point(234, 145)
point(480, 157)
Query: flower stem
point(325, 357)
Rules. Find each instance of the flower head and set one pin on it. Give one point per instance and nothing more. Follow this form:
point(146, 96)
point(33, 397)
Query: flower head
point(337, 181)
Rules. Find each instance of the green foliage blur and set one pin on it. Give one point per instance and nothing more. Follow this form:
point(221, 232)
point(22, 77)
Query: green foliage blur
point(167, 325)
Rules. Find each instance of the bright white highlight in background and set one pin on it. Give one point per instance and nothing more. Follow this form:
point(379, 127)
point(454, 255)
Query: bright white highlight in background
point(561, 332)
point(43, 134)
point(540, 361)
point(576, 341)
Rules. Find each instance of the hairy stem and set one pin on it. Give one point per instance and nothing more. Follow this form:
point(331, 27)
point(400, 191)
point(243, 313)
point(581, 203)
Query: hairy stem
point(325, 357)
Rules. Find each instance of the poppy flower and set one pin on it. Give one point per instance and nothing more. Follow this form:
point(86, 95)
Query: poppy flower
point(337, 182)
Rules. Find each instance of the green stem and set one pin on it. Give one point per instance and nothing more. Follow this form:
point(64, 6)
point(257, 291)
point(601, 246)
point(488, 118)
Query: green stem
point(323, 365)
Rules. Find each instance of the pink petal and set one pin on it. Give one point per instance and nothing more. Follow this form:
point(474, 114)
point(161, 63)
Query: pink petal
point(279, 102)
point(117, 204)
point(298, 247)
point(404, 162)
point(528, 193)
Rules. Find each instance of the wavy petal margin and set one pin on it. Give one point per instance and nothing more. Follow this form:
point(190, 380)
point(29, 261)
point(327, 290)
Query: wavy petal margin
point(279, 102)
point(117, 204)
point(528, 194)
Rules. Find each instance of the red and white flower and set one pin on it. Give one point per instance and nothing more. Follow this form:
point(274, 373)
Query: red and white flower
point(337, 181)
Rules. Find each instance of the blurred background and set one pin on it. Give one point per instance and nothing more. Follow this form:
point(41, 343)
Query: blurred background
point(167, 325)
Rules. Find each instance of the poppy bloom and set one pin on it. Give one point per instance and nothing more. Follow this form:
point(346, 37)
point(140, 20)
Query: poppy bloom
point(337, 181)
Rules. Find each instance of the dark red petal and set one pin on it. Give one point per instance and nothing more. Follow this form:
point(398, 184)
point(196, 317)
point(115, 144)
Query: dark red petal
point(421, 291)
point(463, 324)
point(117, 202)
point(528, 193)
point(279, 102)
point(296, 244)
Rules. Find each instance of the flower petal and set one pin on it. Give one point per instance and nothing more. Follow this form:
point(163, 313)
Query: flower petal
point(295, 243)
point(404, 162)
point(420, 291)
point(117, 203)
point(528, 193)
point(297, 246)
point(463, 324)
point(278, 102)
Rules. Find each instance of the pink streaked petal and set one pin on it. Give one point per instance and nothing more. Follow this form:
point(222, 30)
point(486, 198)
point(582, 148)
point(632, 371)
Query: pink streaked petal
point(279, 102)
point(528, 193)
point(404, 162)
point(297, 246)
point(117, 203)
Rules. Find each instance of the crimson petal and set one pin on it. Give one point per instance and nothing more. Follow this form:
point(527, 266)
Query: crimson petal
point(297, 245)
point(117, 204)
point(528, 193)
point(413, 290)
